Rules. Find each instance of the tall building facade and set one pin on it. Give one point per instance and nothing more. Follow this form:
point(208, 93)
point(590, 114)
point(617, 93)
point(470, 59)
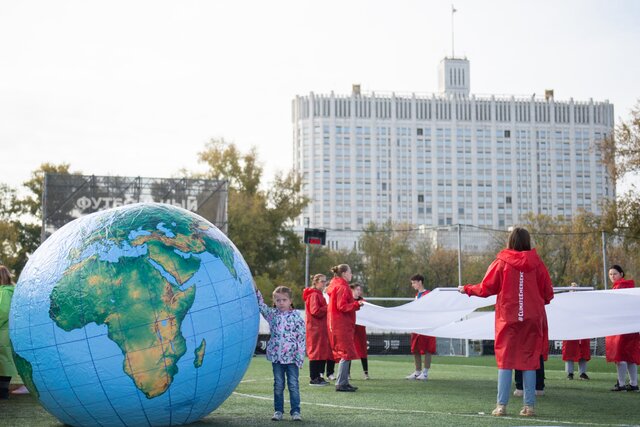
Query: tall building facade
point(447, 158)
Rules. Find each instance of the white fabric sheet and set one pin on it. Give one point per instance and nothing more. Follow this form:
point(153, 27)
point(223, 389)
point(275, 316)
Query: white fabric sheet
point(572, 315)
point(439, 307)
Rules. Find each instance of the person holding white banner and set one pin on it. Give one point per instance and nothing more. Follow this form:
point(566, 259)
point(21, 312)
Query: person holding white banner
point(421, 344)
point(341, 319)
point(624, 350)
point(522, 284)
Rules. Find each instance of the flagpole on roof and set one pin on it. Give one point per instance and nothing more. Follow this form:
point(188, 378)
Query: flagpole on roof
point(453, 52)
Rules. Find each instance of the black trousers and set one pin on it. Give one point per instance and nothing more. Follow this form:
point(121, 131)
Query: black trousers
point(539, 377)
point(316, 367)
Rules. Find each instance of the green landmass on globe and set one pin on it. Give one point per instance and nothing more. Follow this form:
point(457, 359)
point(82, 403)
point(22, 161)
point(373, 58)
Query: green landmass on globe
point(134, 296)
point(199, 353)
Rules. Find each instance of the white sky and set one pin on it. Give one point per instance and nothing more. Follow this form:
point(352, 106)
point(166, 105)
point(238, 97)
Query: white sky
point(138, 87)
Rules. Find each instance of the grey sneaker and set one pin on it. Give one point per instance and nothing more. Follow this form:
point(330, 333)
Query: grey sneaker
point(277, 416)
point(296, 416)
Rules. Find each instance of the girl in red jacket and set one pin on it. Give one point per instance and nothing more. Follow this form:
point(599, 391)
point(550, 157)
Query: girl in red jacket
point(341, 318)
point(521, 281)
point(624, 350)
point(360, 337)
point(318, 348)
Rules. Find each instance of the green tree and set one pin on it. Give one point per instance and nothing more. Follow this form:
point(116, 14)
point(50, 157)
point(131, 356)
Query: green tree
point(389, 259)
point(442, 269)
point(627, 143)
point(585, 249)
point(21, 217)
point(260, 221)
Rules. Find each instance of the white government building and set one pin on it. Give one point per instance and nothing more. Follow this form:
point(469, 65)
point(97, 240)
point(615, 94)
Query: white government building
point(447, 158)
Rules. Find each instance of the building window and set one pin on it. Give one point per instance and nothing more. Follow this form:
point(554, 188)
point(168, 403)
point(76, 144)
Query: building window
point(508, 200)
point(420, 131)
point(420, 198)
point(507, 134)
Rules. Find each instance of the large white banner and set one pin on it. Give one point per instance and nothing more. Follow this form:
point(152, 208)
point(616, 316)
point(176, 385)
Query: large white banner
point(572, 315)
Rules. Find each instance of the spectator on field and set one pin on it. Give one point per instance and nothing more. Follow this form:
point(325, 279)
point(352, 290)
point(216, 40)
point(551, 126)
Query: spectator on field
point(624, 349)
point(318, 348)
point(342, 322)
point(522, 284)
point(360, 337)
point(285, 349)
point(421, 344)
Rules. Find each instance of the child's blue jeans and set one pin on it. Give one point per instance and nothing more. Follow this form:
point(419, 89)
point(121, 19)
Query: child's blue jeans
point(290, 370)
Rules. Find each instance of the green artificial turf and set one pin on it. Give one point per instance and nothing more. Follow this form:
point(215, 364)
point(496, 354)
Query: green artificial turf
point(460, 392)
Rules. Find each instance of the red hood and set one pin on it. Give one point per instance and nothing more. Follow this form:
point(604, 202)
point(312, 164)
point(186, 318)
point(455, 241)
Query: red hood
point(308, 292)
point(520, 260)
point(335, 282)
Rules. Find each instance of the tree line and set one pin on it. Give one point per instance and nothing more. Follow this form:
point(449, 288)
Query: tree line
point(261, 215)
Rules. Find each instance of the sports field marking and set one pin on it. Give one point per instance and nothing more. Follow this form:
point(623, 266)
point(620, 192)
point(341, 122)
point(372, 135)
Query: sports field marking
point(416, 411)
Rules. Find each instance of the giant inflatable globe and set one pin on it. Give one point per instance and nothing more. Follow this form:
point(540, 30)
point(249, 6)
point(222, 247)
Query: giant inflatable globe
point(139, 315)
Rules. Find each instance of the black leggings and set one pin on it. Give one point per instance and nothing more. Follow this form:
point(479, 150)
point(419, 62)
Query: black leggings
point(365, 365)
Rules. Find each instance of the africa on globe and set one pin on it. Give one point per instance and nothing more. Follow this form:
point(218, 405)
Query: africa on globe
point(139, 315)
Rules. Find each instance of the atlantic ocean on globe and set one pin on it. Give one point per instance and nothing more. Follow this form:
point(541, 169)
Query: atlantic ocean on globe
point(139, 315)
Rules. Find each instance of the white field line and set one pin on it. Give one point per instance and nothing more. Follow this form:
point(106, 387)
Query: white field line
point(416, 411)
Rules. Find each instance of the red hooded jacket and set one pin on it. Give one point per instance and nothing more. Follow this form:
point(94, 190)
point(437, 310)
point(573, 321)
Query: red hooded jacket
point(341, 319)
point(522, 283)
point(623, 348)
point(576, 349)
point(315, 308)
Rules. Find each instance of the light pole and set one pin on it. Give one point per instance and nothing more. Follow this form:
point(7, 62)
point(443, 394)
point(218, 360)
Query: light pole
point(306, 256)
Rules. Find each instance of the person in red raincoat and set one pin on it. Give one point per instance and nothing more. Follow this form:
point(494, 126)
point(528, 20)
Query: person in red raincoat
point(318, 348)
point(576, 351)
point(421, 344)
point(521, 281)
point(341, 318)
point(360, 336)
point(624, 350)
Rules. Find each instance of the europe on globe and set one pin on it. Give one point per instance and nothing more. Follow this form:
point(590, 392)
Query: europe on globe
point(139, 315)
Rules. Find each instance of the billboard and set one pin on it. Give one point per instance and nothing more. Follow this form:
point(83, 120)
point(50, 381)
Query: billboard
point(67, 197)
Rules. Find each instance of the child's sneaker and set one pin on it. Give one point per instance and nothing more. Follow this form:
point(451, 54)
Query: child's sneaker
point(331, 377)
point(277, 416)
point(423, 376)
point(413, 375)
point(527, 411)
point(584, 376)
point(518, 392)
point(4, 393)
point(366, 377)
point(630, 387)
point(570, 376)
point(296, 416)
point(21, 390)
point(539, 392)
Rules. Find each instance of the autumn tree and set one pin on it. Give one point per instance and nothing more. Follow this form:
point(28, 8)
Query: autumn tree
point(389, 259)
point(260, 221)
